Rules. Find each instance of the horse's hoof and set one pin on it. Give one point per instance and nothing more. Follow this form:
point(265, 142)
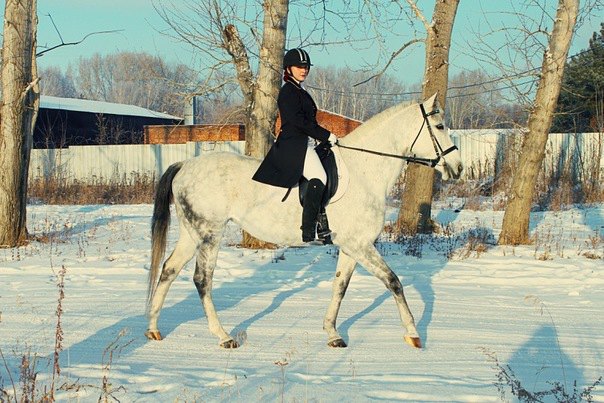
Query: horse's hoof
point(413, 341)
point(153, 335)
point(337, 343)
point(229, 344)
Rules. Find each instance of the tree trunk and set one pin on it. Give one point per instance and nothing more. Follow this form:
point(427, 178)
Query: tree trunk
point(20, 101)
point(235, 47)
point(416, 204)
point(261, 102)
point(260, 127)
point(515, 228)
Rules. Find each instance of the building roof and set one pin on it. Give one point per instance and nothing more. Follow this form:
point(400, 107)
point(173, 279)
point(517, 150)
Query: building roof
point(108, 108)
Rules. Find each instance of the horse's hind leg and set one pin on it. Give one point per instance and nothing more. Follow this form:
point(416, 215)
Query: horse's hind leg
point(344, 271)
point(204, 273)
point(183, 252)
point(370, 258)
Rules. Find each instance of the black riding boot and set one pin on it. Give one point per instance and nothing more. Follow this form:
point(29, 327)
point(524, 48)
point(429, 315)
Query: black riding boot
point(323, 231)
point(312, 206)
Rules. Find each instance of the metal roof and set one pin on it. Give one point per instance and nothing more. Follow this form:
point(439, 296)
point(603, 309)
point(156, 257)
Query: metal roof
point(108, 108)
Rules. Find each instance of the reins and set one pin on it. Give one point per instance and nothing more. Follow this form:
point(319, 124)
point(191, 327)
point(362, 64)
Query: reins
point(425, 161)
point(431, 162)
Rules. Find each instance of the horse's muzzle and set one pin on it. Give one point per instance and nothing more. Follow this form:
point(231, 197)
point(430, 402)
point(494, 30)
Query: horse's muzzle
point(451, 171)
point(455, 170)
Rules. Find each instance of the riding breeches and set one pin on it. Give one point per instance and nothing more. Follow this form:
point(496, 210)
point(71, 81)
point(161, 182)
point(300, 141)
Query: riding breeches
point(313, 168)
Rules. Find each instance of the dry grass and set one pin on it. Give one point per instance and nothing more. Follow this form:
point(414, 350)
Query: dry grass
point(554, 192)
point(27, 388)
point(135, 189)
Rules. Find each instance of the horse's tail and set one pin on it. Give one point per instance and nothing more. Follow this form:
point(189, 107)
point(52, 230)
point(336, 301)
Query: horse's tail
point(159, 226)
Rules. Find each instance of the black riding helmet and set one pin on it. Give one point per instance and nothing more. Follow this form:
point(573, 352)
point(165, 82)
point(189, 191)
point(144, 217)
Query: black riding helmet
point(296, 57)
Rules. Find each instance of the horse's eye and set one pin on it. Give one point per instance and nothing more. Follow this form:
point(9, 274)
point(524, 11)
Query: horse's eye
point(440, 126)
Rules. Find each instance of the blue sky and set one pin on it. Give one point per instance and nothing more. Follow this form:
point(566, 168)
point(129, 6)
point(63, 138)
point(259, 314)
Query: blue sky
point(140, 24)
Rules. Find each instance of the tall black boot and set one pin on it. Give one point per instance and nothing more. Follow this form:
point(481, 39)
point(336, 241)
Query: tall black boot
point(312, 206)
point(323, 231)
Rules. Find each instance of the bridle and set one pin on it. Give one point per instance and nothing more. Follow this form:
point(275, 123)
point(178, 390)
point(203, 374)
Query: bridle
point(431, 162)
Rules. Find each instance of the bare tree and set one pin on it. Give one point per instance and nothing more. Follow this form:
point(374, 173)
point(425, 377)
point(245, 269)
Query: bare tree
point(54, 82)
point(214, 32)
point(333, 89)
point(135, 78)
point(470, 104)
point(517, 214)
point(416, 208)
point(262, 94)
point(20, 100)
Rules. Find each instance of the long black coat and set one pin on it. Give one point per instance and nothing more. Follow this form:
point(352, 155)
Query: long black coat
point(284, 163)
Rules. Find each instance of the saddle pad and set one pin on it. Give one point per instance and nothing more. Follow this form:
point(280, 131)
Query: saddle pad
point(343, 176)
point(337, 176)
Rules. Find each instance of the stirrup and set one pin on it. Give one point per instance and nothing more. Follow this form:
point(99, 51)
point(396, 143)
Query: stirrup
point(318, 240)
point(315, 242)
point(325, 237)
point(323, 231)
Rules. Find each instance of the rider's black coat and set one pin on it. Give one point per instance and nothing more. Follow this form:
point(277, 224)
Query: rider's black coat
point(284, 163)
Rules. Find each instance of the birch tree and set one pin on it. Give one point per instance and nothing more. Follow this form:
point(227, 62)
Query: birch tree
point(211, 28)
point(261, 94)
point(416, 207)
point(517, 213)
point(20, 101)
point(226, 44)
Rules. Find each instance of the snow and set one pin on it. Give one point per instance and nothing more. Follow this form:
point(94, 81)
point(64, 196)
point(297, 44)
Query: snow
point(537, 308)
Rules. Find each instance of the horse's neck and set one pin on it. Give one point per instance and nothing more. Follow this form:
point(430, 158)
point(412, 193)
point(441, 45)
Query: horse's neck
point(391, 132)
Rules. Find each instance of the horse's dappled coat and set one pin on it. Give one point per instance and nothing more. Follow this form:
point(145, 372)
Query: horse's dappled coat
point(210, 190)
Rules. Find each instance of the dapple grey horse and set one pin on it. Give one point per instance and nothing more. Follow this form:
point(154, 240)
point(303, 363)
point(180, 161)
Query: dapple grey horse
point(213, 189)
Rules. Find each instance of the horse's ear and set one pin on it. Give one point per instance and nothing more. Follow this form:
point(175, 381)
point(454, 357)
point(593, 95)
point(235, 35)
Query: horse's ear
point(431, 103)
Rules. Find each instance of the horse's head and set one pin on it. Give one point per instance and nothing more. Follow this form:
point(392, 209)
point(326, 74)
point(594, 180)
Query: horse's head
point(434, 143)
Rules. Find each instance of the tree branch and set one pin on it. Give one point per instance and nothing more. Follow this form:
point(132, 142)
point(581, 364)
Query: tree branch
point(63, 43)
point(392, 57)
point(419, 14)
point(235, 47)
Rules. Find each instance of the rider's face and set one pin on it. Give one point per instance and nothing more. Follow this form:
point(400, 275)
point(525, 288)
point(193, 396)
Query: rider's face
point(300, 72)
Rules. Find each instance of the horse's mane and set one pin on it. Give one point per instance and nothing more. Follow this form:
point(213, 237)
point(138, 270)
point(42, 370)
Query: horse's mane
point(378, 119)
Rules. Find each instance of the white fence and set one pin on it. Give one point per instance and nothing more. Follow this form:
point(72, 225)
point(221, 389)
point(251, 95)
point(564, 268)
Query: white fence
point(482, 153)
point(86, 163)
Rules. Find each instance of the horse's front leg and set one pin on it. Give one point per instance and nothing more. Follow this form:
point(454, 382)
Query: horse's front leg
point(204, 273)
point(370, 258)
point(344, 270)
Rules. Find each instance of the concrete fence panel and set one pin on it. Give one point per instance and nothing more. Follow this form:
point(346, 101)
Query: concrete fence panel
point(483, 154)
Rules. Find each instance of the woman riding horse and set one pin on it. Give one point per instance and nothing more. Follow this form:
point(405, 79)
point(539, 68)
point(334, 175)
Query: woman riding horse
point(293, 155)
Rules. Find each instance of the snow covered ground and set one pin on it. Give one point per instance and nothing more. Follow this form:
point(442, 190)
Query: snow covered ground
point(536, 308)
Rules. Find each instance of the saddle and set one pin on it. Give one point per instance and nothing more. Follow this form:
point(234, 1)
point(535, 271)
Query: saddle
point(337, 176)
point(328, 160)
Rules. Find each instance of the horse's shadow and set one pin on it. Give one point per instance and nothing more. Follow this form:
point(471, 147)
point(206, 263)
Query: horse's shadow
point(277, 302)
point(127, 335)
point(229, 294)
point(421, 277)
point(593, 218)
point(347, 324)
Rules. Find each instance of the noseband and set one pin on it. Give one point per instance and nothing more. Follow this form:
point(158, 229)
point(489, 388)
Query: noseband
point(431, 162)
